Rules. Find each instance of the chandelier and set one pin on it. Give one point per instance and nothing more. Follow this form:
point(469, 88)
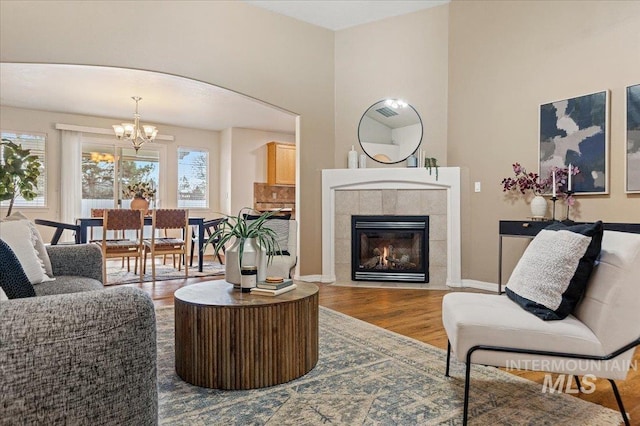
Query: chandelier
point(134, 132)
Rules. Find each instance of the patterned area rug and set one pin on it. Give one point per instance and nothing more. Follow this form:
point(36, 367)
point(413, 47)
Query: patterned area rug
point(116, 274)
point(369, 376)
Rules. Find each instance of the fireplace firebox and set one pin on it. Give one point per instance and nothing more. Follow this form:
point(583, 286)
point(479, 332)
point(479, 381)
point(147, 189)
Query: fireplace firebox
point(390, 248)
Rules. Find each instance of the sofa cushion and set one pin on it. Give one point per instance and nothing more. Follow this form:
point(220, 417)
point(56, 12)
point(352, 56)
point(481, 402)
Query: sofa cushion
point(19, 236)
point(280, 225)
point(68, 284)
point(14, 283)
point(543, 281)
point(39, 243)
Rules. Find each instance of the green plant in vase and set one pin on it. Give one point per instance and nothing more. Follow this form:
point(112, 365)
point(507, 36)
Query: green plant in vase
point(254, 242)
point(19, 173)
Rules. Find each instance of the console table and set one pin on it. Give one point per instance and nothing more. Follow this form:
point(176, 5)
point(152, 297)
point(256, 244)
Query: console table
point(529, 229)
point(226, 339)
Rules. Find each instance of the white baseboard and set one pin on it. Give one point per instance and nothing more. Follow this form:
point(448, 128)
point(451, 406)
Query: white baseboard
point(480, 285)
point(315, 279)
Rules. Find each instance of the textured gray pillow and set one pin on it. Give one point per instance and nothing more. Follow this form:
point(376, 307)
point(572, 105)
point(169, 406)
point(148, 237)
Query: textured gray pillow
point(545, 270)
point(279, 225)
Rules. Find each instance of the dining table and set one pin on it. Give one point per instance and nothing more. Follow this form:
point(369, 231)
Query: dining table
point(88, 222)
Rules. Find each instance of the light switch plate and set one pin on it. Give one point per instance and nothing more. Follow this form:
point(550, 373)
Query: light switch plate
point(478, 187)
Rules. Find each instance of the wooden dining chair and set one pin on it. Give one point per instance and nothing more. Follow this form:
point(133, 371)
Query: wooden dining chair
point(164, 220)
point(100, 213)
point(122, 220)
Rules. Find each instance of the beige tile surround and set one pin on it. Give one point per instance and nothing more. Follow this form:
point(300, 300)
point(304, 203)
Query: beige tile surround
point(432, 203)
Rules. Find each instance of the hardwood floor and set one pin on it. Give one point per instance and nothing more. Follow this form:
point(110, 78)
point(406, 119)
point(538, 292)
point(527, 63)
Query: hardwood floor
point(417, 314)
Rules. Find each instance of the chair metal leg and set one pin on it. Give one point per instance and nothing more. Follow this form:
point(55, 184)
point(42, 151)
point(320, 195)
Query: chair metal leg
point(620, 405)
point(467, 379)
point(446, 374)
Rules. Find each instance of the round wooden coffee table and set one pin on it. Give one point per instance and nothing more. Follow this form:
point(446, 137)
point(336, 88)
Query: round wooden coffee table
point(226, 339)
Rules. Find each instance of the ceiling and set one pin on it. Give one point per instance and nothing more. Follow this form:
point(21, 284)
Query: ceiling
point(107, 92)
point(338, 15)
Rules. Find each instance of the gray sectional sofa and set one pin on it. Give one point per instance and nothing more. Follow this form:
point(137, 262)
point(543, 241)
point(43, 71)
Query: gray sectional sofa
point(78, 353)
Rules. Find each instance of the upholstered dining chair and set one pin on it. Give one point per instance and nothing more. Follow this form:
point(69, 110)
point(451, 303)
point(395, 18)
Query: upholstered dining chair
point(122, 220)
point(165, 220)
point(598, 338)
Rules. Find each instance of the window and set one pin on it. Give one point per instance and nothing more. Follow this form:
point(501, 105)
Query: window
point(36, 142)
point(107, 169)
point(193, 174)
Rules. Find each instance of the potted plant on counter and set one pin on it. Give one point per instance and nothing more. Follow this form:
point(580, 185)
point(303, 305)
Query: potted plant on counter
point(254, 244)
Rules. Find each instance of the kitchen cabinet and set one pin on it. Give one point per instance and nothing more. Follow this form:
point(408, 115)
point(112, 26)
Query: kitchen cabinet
point(281, 163)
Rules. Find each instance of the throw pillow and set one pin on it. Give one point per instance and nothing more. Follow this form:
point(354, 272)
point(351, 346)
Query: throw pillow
point(14, 282)
point(543, 274)
point(42, 251)
point(18, 235)
point(280, 225)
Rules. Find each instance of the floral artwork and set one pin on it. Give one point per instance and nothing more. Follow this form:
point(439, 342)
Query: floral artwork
point(633, 138)
point(576, 131)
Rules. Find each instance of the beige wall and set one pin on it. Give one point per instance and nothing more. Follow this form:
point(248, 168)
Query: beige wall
point(476, 72)
point(268, 56)
point(249, 163)
point(402, 57)
point(507, 58)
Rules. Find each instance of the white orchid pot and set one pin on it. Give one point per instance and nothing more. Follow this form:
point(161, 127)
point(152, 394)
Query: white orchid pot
point(253, 255)
point(538, 207)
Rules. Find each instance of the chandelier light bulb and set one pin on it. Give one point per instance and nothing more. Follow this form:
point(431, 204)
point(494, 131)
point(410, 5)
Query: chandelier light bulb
point(136, 133)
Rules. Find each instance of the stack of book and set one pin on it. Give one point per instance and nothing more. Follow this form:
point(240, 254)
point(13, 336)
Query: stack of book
point(273, 286)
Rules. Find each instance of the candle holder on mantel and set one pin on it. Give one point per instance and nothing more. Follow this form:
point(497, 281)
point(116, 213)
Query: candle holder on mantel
point(569, 195)
point(553, 211)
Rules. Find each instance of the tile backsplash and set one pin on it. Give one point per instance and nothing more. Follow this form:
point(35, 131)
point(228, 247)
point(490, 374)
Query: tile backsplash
point(268, 197)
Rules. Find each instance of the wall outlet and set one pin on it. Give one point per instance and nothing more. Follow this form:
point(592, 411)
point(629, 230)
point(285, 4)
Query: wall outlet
point(274, 195)
point(478, 187)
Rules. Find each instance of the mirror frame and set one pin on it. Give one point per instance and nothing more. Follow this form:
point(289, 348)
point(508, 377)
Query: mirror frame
point(417, 145)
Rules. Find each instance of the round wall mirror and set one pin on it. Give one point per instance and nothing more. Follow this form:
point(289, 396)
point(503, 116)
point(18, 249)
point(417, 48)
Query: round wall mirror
point(390, 131)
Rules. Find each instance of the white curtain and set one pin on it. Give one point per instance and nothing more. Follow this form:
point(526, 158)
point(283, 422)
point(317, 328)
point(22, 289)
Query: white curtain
point(71, 177)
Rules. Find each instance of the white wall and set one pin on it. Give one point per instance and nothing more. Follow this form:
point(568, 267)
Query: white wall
point(249, 163)
point(224, 166)
point(44, 122)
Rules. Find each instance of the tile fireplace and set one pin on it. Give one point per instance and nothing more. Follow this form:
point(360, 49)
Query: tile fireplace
point(390, 248)
point(392, 191)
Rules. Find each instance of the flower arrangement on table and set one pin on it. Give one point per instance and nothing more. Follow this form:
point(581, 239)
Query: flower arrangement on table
point(144, 190)
point(558, 182)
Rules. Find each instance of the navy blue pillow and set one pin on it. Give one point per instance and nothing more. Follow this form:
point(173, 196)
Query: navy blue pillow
point(578, 284)
point(13, 280)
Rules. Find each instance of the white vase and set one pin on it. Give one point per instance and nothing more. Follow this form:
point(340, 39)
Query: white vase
point(538, 207)
point(253, 255)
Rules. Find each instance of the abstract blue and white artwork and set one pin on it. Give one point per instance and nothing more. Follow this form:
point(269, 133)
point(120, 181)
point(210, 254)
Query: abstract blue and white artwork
point(576, 131)
point(633, 138)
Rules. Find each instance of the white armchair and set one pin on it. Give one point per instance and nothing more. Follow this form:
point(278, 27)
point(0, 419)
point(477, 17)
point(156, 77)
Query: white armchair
point(604, 328)
point(282, 265)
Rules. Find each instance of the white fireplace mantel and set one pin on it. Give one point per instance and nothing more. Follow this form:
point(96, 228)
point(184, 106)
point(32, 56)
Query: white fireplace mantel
point(392, 178)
